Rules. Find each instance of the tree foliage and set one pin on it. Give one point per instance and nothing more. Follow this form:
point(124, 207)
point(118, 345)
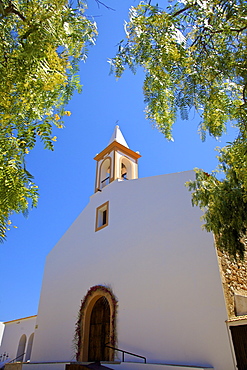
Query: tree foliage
point(41, 44)
point(194, 55)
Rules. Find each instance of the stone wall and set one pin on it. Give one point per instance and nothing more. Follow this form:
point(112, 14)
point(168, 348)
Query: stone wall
point(234, 280)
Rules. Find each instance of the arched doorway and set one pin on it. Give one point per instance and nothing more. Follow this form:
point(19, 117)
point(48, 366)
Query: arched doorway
point(21, 348)
point(29, 347)
point(96, 325)
point(99, 332)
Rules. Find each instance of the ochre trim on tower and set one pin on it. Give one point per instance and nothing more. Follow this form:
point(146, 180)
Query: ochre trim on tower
point(117, 146)
point(123, 162)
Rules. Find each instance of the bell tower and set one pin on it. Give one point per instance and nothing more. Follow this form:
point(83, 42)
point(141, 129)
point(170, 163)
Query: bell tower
point(116, 162)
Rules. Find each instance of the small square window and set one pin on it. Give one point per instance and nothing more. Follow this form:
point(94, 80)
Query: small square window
point(102, 215)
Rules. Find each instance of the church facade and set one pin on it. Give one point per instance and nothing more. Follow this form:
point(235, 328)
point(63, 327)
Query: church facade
point(135, 272)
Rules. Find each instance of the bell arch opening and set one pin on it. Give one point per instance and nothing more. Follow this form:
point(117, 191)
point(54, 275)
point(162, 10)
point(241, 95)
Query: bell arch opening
point(96, 326)
point(105, 173)
point(126, 169)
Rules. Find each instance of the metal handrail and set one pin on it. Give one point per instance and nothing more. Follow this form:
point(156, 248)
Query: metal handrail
point(17, 358)
point(129, 353)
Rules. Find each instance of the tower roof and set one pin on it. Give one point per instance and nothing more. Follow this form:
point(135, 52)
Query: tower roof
point(118, 136)
point(117, 142)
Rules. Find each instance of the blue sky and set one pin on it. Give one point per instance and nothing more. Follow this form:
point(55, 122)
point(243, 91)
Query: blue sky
point(66, 176)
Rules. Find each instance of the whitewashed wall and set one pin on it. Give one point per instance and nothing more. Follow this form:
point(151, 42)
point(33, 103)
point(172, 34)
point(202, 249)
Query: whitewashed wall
point(1, 331)
point(161, 266)
point(13, 331)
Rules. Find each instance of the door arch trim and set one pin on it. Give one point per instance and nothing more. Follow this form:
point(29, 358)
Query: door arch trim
point(83, 322)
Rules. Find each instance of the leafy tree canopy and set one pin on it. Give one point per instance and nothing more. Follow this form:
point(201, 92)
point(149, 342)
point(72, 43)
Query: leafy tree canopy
point(194, 55)
point(41, 44)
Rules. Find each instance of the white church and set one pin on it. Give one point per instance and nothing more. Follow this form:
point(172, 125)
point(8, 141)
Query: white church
point(134, 284)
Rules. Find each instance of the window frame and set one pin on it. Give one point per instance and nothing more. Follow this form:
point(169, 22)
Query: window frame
point(100, 215)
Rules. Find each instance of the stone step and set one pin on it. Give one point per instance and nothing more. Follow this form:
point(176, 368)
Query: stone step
point(113, 365)
point(152, 366)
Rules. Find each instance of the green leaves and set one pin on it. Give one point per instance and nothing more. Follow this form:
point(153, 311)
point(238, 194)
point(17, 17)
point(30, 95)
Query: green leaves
point(194, 55)
point(224, 208)
point(41, 44)
point(16, 183)
point(225, 201)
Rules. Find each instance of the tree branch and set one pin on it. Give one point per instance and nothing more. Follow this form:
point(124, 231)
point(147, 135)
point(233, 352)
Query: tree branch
point(244, 91)
point(231, 29)
point(101, 3)
point(10, 10)
point(181, 10)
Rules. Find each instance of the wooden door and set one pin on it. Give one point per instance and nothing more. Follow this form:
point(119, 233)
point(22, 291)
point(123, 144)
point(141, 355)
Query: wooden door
point(239, 338)
point(99, 333)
